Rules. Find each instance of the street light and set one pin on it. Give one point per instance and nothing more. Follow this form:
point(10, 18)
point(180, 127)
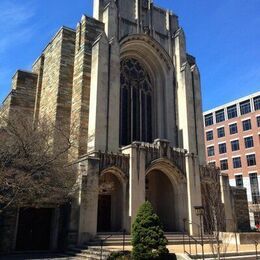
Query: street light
point(199, 210)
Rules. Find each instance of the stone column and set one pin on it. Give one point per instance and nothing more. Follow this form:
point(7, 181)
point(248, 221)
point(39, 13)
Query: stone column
point(97, 6)
point(38, 68)
point(187, 128)
point(199, 113)
point(98, 121)
point(114, 97)
point(136, 178)
point(89, 201)
point(169, 108)
point(126, 222)
point(226, 198)
point(193, 192)
point(75, 208)
point(87, 31)
point(187, 125)
point(110, 19)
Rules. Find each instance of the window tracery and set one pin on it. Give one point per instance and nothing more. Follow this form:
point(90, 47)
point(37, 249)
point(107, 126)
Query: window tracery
point(136, 103)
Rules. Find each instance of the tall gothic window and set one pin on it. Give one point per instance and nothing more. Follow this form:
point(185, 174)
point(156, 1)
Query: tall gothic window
point(136, 103)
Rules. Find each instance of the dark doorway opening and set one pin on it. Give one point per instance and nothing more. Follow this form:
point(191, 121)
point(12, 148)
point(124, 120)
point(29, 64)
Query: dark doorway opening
point(159, 191)
point(104, 213)
point(34, 229)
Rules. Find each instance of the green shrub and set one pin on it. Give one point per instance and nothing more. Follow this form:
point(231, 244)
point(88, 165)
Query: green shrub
point(148, 238)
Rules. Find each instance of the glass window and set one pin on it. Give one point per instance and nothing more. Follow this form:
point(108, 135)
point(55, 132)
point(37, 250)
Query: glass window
point(257, 103)
point(220, 116)
point(221, 132)
point(224, 165)
point(209, 135)
point(239, 180)
point(232, 111)
point(209, 119)
point(245, 107)
point(254, 187)
point(235, 145)
point(211, 151)
point(247, 125)
point(237, 162)
point(136, 103)
point(249, 142)
point(222, 148)
point(233, 128)
point(251, 161)
point(258, 121)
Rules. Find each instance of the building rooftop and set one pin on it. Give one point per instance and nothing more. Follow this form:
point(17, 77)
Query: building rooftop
point(232, 102)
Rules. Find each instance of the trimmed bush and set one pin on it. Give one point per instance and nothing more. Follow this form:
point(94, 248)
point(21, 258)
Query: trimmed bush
point(148, 238)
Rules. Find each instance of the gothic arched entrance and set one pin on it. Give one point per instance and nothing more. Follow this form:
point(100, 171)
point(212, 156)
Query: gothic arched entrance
point(110, 203)
point(160, 192)
point(166, 189)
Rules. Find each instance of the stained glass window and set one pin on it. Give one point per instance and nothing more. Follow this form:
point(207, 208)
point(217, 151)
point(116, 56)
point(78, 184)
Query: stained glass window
point(136, 103)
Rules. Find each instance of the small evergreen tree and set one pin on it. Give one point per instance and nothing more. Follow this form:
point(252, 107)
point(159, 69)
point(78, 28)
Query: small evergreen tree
point(148, 238)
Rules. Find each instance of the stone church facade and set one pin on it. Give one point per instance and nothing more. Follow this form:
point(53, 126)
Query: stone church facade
point(124, 82)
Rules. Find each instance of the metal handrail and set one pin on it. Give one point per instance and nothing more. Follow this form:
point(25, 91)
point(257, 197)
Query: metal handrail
point(124, 233)
point(105, 239)
point(197, 242)
point(101, 245)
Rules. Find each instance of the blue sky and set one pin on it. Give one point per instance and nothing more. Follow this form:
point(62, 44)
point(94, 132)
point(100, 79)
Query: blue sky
point(224, 35)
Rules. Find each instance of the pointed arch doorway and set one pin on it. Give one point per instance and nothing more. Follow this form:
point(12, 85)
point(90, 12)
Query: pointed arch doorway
point(160, 192)
point(110, 203)
point(166, 189)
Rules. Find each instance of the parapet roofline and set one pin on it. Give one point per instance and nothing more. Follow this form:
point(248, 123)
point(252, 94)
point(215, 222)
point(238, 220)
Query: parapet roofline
point(232, 103)
point(163, 10)
point(53, 38)
point(25, 71)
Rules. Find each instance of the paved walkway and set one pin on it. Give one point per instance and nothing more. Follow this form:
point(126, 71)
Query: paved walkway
point(178, 249)
point(207, 248)
point(35, 257)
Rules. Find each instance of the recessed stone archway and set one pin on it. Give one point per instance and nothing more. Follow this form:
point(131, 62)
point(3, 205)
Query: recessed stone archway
point(111, 203)
point(161, 69)
point(166, 190)
point(160, 192)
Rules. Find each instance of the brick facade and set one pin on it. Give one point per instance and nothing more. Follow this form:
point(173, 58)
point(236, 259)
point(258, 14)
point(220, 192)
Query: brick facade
point(231, 131)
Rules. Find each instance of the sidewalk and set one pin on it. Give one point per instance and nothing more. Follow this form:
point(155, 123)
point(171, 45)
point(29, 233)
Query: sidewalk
point(207, 248)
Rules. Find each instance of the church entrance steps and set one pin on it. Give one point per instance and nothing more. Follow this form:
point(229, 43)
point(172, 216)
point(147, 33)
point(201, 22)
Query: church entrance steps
point(94, 252)
point(89, 252)
point(117, 239)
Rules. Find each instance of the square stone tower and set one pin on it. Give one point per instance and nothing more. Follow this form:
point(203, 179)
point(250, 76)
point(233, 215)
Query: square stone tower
point(144, 135)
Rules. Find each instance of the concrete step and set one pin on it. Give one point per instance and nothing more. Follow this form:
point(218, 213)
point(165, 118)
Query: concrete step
point(117, 239)
point(90, 256)
point(88, 253)
point(90, 248)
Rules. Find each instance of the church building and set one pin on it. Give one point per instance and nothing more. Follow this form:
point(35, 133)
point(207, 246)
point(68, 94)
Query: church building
point(125, 84)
